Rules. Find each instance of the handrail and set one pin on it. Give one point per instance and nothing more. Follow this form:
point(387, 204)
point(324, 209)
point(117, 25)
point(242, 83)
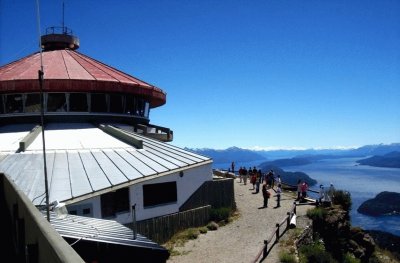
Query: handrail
point(276, 233)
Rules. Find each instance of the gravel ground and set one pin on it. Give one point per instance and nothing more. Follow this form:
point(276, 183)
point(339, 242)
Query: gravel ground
point(243, 239)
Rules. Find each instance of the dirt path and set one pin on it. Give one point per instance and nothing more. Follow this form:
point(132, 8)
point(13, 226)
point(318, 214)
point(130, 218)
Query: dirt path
point(242, 239)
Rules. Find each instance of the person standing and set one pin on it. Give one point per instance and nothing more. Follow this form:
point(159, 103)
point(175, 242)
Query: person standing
point(298, 190)
point(233, 167)
point(244, 174)
point(321, 197)
point(258, 181)
point(331, 192)
point(266, 194)
point(278, 180)
point(278, 195)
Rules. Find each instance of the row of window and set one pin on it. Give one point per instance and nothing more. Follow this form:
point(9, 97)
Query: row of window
point(153, 195)
point(75, 102)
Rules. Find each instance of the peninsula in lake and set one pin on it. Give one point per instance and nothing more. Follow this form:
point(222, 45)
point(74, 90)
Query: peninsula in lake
point(385, 203)
point(391, 160)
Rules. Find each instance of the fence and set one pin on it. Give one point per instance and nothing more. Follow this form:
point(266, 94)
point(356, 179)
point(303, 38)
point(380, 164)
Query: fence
point(217, 193)
point(161, 229)
point(276, 234)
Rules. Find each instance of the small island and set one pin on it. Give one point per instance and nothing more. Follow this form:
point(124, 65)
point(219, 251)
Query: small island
point(289, 177)
point(385, 203)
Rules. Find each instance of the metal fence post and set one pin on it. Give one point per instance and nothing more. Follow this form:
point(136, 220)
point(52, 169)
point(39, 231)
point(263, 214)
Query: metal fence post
point(277, 232)
point(287, 219)
point(294, 209)
point(265, 252)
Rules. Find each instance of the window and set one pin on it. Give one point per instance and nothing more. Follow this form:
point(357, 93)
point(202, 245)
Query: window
point(116, 103)
point(99, 102)
point(130, 105)
point(1, 105)
point(13, 103)
point(32, 103)
point(159, 194)
point(78, 102)
point(56, 102)
point(115, 202)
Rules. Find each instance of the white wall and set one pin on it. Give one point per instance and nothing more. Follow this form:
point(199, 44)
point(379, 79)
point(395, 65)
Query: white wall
point(191, 180)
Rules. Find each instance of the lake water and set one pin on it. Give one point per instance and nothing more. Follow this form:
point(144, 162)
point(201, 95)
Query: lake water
point(362, 181)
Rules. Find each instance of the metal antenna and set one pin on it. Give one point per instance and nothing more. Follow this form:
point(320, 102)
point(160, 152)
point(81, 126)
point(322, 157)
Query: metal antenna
point(63, 19)
point(40, 76)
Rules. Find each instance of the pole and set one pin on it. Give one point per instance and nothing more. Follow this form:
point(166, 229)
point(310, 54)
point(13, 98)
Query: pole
point(134, 221)
point(44, 143)
point(41, 74)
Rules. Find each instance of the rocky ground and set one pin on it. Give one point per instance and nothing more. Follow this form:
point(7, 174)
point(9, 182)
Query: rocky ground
point(242, 240)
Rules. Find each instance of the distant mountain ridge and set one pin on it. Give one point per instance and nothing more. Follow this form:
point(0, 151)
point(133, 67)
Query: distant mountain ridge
point(232, 154)
point(245, 155)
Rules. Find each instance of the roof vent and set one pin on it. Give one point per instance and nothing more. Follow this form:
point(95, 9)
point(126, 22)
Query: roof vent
point(57, 38)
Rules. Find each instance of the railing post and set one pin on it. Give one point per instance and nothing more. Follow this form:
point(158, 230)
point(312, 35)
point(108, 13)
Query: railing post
point(277, 232)
point(295, 206)
point(288, 220)
point(265, 252)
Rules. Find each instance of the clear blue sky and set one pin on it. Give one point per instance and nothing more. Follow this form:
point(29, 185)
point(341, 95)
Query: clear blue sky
point(269, 74)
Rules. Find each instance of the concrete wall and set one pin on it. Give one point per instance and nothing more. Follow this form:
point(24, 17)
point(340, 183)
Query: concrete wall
point(32, 230)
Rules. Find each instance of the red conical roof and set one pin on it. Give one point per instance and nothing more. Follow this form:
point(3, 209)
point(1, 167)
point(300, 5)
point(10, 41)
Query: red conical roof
point(71, 71)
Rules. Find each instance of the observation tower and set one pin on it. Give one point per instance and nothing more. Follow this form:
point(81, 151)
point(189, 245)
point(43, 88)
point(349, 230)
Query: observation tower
point(76, 88)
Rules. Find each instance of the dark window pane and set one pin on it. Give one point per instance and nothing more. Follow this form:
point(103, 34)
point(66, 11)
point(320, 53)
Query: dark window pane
point(115, 202)
point(1, 105)
point(116, 103)
point(86, 211)
point(56, 102)
point(99, 102)
point(14, 103)
point(157, 194)
point(78, 102)
point(130, 105)
point(32, 103)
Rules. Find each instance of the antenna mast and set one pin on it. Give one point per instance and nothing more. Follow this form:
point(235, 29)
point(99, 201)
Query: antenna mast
point(64, 30)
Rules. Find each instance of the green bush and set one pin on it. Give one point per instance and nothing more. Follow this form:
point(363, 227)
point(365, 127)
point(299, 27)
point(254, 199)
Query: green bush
point(212, 226)
point(342, 198)
point(317, 213)
point(349, 258)
point(220, 214)
point(192, 233)
point(315, 253)
point(285, 257)
point(203, 230)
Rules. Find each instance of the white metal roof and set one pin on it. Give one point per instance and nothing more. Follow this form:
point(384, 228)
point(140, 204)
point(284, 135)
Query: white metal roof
point(82, 159)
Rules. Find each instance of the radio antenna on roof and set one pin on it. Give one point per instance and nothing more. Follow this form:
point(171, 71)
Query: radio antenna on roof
point(63, 18)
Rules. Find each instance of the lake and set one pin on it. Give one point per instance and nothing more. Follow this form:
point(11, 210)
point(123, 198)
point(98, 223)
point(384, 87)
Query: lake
point(362, 181)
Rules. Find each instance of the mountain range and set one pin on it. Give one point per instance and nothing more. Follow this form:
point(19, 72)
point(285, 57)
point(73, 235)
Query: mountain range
point(282, 158)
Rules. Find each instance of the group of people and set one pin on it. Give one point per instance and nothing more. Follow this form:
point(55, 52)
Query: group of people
point(267, 180)
point(325, 195)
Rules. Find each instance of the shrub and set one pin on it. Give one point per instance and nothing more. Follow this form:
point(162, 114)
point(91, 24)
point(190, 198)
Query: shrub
point(342, 198)
point(203, 230)
point(286, 257)
point(317, 213)
point(212, 226)
point(315, 253)
point(219, 214)
point(192, 233)
point(349, 258)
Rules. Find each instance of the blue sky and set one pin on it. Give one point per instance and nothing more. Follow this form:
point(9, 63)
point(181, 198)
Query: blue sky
point(251, 74)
